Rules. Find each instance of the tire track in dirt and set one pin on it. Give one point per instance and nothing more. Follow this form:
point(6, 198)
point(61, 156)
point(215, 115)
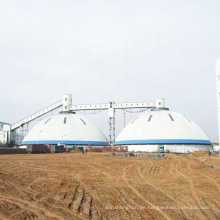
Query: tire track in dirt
point(4, 217)
point(122, 213)
point(156, 188)
point(95, 213)
point(52, 172)
point(215, 209)
point(125, 197)
point(210, 179)
point(41, 205)
point(59, 174)
point(112, 177)
point(140, 196)
point(103, 173)
point(192, 189)
point(81, 202)
point(24, 205)
point(125, 214)
point(207, 177)
point(39, 201)
point(99, 170)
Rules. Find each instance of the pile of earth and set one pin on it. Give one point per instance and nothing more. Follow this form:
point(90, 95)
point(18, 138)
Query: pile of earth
point(200, 153)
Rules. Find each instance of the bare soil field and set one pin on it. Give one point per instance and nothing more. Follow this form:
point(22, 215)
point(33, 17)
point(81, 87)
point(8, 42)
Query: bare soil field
point(99, 186)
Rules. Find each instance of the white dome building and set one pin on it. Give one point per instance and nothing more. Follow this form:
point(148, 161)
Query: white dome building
point(169, 129)
point(65, 128)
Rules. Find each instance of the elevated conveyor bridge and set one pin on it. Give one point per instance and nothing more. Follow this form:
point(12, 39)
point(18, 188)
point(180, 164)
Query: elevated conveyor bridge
point(6, 135)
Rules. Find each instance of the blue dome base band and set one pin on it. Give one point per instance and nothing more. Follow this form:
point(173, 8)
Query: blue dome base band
point(65, 142)
point(163, 141)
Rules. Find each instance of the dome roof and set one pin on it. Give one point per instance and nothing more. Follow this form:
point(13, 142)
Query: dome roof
point(162, 127)
point(65, 128)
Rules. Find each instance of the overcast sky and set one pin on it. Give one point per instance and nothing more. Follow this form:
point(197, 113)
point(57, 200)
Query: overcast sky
point(118, 50)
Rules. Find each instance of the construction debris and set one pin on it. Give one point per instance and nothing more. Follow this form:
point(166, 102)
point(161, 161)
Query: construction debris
point(131, 154)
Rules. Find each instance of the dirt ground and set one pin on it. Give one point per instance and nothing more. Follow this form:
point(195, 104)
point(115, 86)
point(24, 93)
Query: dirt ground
point(100, 186)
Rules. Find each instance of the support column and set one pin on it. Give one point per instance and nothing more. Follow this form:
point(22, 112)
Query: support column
point(111, 112)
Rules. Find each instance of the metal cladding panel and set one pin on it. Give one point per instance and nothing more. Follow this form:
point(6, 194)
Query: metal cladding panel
point(143, 148)
point(66, 129)
point(169, 148)
point(162, 127)
point(185, 148)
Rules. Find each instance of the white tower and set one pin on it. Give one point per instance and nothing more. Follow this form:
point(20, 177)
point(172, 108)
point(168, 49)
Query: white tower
point(67, 102)
point(218, 93)
point(160, 103)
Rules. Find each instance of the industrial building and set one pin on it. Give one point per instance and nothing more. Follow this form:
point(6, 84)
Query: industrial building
point(65, 128)
point(161, 128)
point(5, 133)
point(158, 128)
